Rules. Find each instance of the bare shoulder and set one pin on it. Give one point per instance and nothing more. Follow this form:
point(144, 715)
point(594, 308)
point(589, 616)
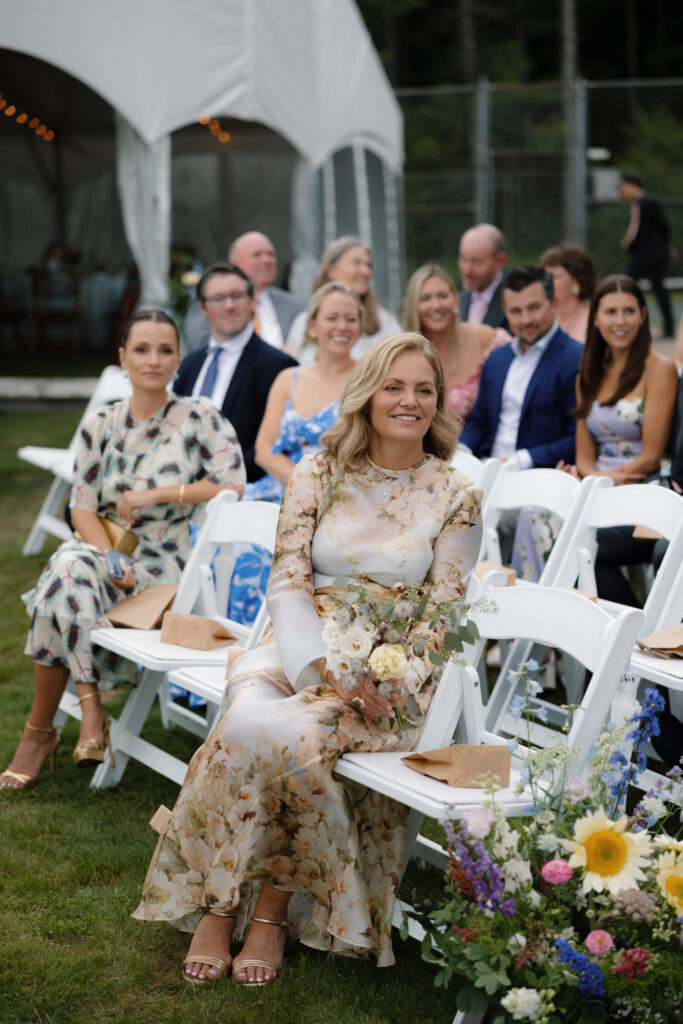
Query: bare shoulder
point(479, 336)
point(661, 370)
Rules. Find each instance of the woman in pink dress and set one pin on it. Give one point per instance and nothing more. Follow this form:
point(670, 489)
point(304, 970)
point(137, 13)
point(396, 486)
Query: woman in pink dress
point(431, 307)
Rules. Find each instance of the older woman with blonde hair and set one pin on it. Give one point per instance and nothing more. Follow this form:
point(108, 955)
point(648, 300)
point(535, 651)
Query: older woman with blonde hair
point(430, 306)
point(347, 260)
point(262, 830)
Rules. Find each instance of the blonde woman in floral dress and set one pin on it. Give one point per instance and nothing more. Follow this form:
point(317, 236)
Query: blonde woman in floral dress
point(262, 831)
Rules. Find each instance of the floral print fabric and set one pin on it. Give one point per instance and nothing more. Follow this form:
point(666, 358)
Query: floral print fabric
point(187, 440)
point(260, 802)
point(617, 430)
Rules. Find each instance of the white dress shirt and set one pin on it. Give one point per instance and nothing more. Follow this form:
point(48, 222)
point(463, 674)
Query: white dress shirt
point(517, 381)
point(268, 321)
point(231, 351)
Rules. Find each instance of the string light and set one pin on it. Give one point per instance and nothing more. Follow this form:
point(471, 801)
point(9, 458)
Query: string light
point(41, 130)
point(216, 129)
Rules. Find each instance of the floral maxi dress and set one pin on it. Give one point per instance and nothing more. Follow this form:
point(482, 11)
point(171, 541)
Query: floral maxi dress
point(186, 440)
point(260, 803)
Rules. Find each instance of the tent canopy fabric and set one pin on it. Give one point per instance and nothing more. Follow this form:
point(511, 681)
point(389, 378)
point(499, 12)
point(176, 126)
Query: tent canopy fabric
point(305, 68)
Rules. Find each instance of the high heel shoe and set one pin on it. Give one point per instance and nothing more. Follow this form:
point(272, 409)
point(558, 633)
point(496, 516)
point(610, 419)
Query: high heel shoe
point(91, 752)
point(239, 963)
point(222, 966)
point(22, 780)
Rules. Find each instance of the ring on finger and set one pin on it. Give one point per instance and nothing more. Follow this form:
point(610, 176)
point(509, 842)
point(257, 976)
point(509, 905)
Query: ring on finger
point(358, 703)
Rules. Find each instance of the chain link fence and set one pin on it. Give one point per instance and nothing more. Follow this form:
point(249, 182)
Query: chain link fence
point(500, 153)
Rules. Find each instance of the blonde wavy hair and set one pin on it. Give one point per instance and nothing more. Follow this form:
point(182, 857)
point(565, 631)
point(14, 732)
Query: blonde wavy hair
point(411, 316)
point(349, 439)
point(316, 301)
point(331, 256)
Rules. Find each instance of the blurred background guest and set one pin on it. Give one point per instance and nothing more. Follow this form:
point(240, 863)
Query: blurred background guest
point(626, 393)
point(347, 260)
point(648, 243)
point(431, 308)
point(574, 277)
point(482, 255)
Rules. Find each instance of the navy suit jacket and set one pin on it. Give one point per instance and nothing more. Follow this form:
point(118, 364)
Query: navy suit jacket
point(547, 428)
point(245, 399)
point(494, 316)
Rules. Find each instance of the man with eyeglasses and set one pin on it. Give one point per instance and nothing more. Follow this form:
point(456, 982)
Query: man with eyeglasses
point(236, 369)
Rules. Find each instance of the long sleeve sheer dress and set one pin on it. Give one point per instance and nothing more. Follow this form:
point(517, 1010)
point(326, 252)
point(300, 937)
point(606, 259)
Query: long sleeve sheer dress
point(260, 803)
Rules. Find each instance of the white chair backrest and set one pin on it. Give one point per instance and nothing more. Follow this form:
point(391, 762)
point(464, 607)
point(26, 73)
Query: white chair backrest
point(227, 522)
point(568, 621)
point(627, 505)
point(482, 472)
point(549, 489)
point(113, 384)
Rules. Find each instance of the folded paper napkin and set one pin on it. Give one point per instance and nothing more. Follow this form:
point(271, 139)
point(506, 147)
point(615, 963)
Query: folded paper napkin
point(481, 568)
point(194, 631)
point(645, 533)
point(665, 643)
point(143, 610)
point(463, 764)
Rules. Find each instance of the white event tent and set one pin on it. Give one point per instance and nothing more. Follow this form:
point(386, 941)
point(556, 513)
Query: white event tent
point(304, 69)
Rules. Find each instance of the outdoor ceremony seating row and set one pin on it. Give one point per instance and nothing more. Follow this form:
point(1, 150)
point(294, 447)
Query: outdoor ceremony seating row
point(227, 522)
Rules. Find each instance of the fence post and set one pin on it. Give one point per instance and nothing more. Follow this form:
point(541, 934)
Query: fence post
point(575, 171)
point(482, 157)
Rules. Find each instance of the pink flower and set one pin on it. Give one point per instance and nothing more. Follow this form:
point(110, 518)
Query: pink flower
point(633, 962)
point(599, 942)
point(575, 790)
point(556, 871)
point(478, 821)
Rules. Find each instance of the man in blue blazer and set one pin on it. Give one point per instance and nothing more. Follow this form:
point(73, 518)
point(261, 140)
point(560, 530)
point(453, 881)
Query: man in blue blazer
point(527, 391)
point(236, 369)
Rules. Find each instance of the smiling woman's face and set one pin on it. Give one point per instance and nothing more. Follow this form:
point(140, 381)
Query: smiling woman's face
point(403, 407)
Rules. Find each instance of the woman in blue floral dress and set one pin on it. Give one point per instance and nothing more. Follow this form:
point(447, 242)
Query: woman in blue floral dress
point(303, 403)
point(144, 462)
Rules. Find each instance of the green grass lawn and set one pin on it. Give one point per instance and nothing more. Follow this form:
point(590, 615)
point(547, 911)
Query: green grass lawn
point(72, 860)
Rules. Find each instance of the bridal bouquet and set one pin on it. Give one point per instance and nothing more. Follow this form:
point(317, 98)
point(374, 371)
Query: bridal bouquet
point(372, 634)
point(574, 914)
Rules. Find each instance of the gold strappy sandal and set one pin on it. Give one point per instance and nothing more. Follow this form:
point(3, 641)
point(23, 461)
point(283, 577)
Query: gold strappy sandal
point(26, 781)
point(239, 963)
point(222, 966)
point(91, 752)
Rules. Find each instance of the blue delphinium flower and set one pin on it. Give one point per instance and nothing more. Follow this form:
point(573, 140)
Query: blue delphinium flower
point(542, 713)
point(532, 665)
point(517, 706)
point(590, 978)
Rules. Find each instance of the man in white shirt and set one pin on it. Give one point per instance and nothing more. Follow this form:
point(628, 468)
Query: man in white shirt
point(527, 389)
point(236, 369)
point(275, 309)
point(481, 259)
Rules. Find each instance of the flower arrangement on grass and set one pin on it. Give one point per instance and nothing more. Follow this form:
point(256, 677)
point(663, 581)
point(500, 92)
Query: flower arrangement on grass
point(393, 637)
point(574, 913)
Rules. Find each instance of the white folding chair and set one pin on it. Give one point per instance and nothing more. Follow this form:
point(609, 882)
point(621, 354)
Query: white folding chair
point(558, 618)
point(227, 522)
point(111, 386)
point(482, 472)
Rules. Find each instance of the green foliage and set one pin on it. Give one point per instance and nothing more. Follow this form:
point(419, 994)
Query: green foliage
point(654, 140)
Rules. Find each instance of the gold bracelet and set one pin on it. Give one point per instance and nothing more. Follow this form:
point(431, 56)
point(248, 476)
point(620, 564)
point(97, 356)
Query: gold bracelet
point(182, 491)
point(322, 671)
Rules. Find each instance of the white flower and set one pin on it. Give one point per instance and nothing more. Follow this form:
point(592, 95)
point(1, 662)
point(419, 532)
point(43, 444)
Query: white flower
point(517, 872)
point(356, 642)
point(545, 817)
point(388, 661)
point(517, 942)
point(478, 821)
point(653, 807)
point(522, 1004)
point(548, 843)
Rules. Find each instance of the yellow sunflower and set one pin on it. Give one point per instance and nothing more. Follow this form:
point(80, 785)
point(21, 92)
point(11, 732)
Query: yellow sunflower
point(670, 879)
point(611, 856)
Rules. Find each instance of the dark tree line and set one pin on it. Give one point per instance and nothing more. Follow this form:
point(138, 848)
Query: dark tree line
point(436, 42)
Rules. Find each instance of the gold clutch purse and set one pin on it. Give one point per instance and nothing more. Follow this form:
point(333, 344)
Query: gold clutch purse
point(120, 538)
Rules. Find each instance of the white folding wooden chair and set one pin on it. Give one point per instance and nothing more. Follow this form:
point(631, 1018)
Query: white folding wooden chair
point(227, 522)
point(482, 472)
point(557, 618)
point(111, 386)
